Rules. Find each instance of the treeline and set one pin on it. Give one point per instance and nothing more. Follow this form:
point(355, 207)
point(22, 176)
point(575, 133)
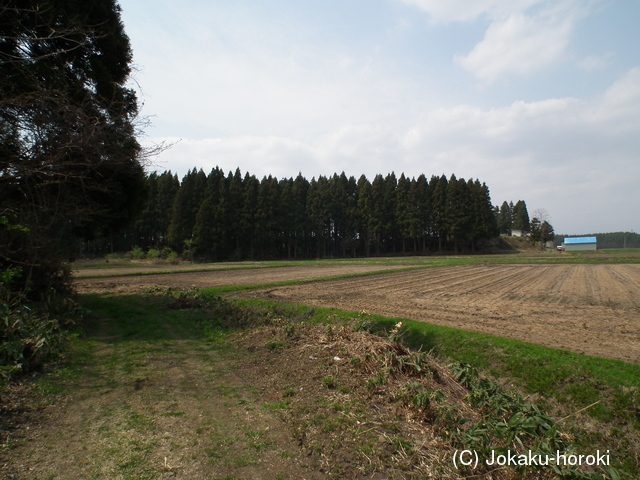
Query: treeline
point(235, 216)
point(608, 240)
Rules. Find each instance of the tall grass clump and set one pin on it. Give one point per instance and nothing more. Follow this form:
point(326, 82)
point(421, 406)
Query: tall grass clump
point(32, 334)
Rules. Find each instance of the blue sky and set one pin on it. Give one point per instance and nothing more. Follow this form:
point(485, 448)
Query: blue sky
point(539, 99)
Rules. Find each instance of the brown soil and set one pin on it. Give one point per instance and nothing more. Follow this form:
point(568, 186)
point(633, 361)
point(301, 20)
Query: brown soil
point(591, 309)
point(245, 276)
point(92, 272)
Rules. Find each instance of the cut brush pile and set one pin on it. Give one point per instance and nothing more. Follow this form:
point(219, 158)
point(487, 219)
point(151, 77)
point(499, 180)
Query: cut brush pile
point(363, 406)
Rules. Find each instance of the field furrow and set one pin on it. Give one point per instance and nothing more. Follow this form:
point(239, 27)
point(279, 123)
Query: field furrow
point(218, 277)
point(592, 309)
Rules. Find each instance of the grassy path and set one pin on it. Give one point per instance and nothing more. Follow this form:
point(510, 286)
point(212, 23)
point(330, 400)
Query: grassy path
point(147, 397)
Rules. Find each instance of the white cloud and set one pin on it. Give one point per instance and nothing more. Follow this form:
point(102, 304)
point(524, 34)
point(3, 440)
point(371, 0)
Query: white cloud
point(513, 46)
point(468, 10)
point(523, 37)
point(520, 44)
point(468, 140)
point(574, 157)
point(263, 79)
point(620, 102)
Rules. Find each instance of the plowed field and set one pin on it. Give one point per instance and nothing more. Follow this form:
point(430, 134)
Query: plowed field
point(591, 309)
point(104, 280)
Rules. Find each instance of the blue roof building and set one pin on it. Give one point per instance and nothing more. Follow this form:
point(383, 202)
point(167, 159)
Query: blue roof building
point(580, 243)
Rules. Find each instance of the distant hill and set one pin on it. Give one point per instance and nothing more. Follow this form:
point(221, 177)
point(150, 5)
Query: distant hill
point(608, 240)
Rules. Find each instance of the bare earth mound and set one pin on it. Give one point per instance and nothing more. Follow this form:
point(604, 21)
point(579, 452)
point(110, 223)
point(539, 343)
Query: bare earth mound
point(591, 309)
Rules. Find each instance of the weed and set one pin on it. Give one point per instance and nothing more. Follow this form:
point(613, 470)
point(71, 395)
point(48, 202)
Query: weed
point(260, 446)
point(330, 426)
point(395, 335)
point(344, 389)
point(174, 414)
point(402, 445)
point(30, 336)
point(380, 378)
point(215, 335)
point(255, 434)
point(508, 424)
point(289, 329)
point(289, 391)
point(362, 323)
point(242, 461)
point(276, 406)
point(464, 373)
point(275, 346)
point(330, 381)
point(329, 331)
point(422, 400)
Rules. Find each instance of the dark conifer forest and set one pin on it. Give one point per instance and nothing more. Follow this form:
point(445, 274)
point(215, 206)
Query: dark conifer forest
point(71, 166)
point(234, 216)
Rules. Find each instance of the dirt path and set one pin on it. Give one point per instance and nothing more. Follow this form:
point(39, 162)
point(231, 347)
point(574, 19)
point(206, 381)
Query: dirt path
point(150, 397)
point(152, 407)
point(249, 276)
point(591, 309)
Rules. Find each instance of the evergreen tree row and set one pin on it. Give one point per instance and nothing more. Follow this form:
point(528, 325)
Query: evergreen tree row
point(512, 217)
point(225, 217)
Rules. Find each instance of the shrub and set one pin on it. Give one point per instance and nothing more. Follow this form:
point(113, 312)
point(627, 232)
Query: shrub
point(28, 339)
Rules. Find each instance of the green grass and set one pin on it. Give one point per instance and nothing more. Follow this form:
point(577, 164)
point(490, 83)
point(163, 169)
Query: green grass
point(613, 251)
point(277, 406)
point(130, 319)
point(562, 378)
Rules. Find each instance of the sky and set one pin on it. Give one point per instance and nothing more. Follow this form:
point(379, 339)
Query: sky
point(538, 99)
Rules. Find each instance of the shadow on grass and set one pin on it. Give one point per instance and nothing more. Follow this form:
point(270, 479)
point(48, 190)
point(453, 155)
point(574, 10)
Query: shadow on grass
point(166, 316)
point(140, 318)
